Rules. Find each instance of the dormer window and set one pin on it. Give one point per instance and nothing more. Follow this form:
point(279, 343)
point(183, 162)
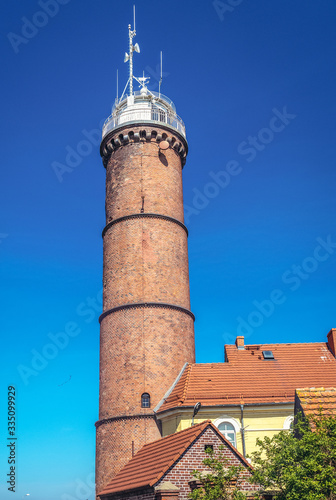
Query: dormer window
point(145, 400)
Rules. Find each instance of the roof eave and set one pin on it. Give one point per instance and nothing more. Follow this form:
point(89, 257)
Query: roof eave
point(106, 496)
point(183, 408)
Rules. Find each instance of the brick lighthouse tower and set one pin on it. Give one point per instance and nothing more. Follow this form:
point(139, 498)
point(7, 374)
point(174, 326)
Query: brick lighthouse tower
point(146, 328)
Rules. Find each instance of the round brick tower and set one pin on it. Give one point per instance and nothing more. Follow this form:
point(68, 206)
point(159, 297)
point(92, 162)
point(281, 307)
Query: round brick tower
point(146, 328)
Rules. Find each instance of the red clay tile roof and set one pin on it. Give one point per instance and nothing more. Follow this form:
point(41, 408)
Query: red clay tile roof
point(249, 378)
point(154, 459)
point(313, 400)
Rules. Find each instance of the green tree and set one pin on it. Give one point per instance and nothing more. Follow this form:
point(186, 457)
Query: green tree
point(299, 464)
point(220, 481)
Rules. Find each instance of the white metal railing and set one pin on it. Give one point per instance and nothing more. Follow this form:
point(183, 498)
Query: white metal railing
point(144, 109)
point(157, 115)
point(140, 114)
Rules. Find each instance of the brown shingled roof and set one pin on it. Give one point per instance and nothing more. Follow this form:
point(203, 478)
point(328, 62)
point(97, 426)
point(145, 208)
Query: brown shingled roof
point(315, 400)
point(249, 378)
point(147, 467)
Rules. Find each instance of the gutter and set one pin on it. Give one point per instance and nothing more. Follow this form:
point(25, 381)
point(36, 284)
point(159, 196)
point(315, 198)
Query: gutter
point(222, 405)
point(242, 429)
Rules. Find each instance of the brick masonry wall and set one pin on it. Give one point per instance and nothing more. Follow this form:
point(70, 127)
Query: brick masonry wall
point(114, 445)
point(146, 260)
point(140, 169)
point(180, 473)
point(142, 349)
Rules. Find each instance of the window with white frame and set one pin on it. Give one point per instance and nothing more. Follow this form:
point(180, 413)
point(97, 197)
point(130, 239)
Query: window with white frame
point(228, 432)
point(289, 423)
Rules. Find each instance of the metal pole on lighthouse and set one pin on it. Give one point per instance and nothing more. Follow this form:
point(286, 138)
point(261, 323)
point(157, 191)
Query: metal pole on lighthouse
point(132, 48)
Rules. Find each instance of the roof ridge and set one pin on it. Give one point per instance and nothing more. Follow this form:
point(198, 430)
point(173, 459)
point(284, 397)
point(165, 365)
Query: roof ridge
point(278, 343)
point(237, 394)
point(194, 435)
point(171, 388)
point(319, 388)
point(185, 388)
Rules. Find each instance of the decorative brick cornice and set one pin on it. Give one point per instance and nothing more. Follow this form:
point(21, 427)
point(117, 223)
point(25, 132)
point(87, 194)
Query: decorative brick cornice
point(137, 416)
point(145, 216)
point(146, 305)
point(142, 132)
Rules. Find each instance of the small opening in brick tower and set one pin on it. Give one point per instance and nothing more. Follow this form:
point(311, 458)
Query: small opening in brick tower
point(145, 400)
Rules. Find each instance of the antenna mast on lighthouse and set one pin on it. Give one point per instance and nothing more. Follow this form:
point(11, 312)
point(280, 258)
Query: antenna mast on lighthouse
point(160, 82)
point(132, 48)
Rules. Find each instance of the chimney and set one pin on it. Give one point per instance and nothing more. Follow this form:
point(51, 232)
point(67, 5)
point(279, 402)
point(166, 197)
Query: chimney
point(240, 342)
point(332, 341)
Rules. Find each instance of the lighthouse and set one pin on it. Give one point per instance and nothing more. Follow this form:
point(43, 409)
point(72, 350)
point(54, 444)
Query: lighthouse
point(146, 326)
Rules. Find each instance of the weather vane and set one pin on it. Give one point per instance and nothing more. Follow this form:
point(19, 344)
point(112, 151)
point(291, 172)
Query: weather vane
point(143, 80)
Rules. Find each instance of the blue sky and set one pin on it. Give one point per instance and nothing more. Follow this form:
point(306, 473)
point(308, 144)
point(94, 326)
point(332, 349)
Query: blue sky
point(255, 85)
